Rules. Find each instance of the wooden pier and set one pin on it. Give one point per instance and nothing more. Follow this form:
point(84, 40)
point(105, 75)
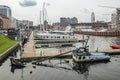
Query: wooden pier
point(31, 53)
point(109, 51)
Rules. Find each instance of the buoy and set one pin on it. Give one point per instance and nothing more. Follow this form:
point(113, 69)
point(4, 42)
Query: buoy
point(30, 72)
point(34, 66)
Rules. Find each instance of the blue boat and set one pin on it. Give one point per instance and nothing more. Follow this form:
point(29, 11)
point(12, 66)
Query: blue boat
point(83, 55)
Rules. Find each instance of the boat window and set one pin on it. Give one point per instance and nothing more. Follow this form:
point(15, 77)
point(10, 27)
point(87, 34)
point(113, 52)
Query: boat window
point(51, 36)
point(83, 57)
point(58, 36)
point(46, 36)
point(79, 57)
point(43, 36)
point(63, 36)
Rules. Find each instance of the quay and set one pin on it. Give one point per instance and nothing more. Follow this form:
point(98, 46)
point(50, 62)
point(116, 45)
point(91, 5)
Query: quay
point(31, 53)
point(95, 33)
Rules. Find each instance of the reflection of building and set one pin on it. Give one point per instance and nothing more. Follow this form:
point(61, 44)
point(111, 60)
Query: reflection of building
point(82, 68)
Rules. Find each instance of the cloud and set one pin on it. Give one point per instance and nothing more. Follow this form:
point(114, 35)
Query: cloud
point(27, 3)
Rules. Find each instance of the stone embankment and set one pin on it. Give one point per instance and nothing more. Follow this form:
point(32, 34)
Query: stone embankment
point(8, 52)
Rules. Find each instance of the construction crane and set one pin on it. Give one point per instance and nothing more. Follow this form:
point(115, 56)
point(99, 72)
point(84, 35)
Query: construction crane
point(117, 12)
point(117, 8)
point(107, 6)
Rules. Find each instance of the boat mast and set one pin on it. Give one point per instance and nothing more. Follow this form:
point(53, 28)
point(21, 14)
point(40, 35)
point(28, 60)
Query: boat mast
point(40, 22)
point(43, 16)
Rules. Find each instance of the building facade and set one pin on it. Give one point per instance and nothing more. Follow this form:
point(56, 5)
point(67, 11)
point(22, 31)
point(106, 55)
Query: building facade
point(114, 21)
point(5, 10)
point(92, 17)
point(5, 22)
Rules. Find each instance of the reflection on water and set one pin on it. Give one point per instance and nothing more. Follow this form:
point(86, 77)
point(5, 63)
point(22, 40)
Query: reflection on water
point(81, 68)
point(100, 43)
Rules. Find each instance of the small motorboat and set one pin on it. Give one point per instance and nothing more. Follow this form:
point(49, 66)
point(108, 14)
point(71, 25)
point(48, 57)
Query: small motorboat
point(115, 46)
point(17, 62)
point(83, 55)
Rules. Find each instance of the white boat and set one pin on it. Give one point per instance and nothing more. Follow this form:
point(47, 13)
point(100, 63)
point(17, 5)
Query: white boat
point(44, 38)
point(83, 55)
point(54, 38)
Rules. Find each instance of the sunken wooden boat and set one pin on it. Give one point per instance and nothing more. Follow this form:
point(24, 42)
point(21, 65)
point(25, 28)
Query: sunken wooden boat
point(17, 62)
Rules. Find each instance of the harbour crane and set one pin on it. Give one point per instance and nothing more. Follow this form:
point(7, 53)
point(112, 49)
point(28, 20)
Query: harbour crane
point(117, 8)
point(117, 14)
point(108, 7)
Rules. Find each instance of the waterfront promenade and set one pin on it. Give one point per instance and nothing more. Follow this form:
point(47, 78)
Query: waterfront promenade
point(28, 47)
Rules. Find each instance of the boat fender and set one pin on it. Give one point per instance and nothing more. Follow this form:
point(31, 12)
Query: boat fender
point(30, 72)
point(34, 66)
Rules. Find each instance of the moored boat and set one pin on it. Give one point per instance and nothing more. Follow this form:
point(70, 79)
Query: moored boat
point(17, 62)
point(83, 55)
point(115, 46)
point(47, 39)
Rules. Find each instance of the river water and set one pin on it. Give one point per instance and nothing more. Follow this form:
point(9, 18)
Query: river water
point(66, 69)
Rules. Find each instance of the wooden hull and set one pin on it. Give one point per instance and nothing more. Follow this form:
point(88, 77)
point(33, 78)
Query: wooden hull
point(16, 63)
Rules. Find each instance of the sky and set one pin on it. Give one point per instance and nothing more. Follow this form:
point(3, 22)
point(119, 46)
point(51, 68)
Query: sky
point(30, 9)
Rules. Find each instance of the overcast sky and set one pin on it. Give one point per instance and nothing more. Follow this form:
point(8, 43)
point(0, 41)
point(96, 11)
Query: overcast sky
point(30, 9)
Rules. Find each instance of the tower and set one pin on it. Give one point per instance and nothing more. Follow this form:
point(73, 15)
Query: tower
point(92, 17)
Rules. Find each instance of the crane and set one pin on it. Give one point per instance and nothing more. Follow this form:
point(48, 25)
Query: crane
point(117, 8)
point(117, 12)
point(108, 6)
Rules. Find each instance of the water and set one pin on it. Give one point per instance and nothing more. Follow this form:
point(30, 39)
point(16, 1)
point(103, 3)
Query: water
point(59, 69)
